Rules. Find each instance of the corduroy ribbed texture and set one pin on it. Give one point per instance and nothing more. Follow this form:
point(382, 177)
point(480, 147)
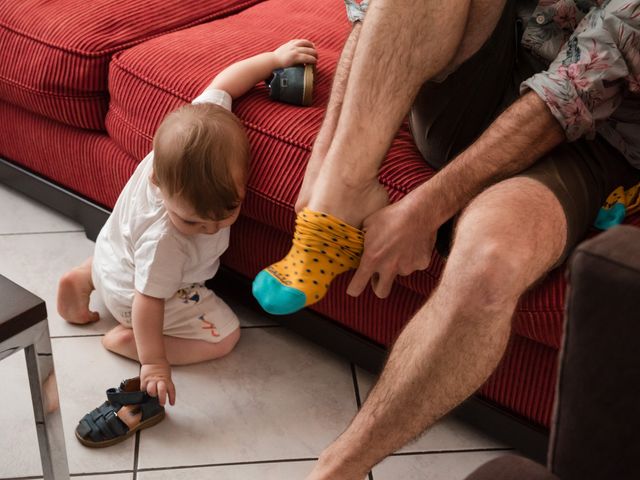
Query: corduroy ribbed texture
point(525, 380)
point(88, 163)
point(55, 53)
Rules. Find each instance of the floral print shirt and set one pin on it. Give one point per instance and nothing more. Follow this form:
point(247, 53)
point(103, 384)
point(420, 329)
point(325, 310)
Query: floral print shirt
point(592, 83)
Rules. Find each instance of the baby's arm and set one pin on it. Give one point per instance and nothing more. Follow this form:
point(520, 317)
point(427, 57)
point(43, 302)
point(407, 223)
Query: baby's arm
point(147, 317)
point(239, 78)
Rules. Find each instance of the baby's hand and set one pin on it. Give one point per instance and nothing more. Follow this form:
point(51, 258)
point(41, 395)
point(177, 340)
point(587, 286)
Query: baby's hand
point(296, 52)
point(155, 378)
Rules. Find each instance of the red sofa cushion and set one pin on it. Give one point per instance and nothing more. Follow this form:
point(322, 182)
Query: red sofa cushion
point(88, 163)
point(55, 53)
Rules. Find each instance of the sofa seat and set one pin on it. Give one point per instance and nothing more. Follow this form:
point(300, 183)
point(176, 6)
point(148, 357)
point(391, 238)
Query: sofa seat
point(157, 76)
point(55, 53)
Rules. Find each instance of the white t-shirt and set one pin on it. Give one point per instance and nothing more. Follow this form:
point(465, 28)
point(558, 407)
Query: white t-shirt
point(139, 248)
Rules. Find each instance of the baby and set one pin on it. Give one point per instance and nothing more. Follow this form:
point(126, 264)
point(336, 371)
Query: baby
point(168, 230)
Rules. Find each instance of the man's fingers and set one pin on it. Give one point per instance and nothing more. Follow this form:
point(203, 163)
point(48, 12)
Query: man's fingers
point(360, 279)
point(382, 284)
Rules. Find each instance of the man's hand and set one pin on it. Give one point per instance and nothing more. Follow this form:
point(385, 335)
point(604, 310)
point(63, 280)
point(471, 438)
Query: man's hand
point(397, 241)
point(155, 378)
point(296, 52)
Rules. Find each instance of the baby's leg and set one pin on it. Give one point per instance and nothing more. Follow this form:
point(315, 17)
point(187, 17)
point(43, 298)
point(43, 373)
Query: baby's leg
point(179, 351)
point(74, 290)
point(198, 326)
point(183, 351)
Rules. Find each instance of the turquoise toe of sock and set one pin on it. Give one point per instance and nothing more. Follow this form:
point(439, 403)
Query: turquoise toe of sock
point(276, 298)
point(610, 217)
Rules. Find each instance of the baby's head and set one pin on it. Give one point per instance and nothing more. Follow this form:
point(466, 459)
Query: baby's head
point(201, 160)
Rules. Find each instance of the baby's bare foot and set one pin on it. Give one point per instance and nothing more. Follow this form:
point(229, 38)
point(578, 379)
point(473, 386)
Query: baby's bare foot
point(74, 290)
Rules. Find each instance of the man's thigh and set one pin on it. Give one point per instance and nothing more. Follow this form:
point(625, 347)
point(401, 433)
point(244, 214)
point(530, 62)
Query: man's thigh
point(582, 175)
point(450, 113)
point(573, 180)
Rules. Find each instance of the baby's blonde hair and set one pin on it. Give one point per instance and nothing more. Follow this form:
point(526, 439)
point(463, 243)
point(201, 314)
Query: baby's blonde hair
point(201, 154)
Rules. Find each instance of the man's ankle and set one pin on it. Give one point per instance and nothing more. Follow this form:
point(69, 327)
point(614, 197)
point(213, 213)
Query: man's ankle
point(335, 462)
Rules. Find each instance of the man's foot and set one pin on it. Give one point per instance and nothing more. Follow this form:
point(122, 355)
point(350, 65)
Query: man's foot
point(351, 204)
point(311, 173)
point(323, 248)
point(74, 291)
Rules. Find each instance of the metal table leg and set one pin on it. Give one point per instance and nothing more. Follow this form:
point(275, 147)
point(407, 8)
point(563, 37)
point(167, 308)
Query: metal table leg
point(48, 423)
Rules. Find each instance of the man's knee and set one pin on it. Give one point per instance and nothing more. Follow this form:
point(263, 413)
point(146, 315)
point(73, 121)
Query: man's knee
point(509, 237)
point(493, 269)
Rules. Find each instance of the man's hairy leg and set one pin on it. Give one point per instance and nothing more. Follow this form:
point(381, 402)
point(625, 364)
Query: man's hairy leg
point(327, 130)
point(508, 237)
point(401, 45)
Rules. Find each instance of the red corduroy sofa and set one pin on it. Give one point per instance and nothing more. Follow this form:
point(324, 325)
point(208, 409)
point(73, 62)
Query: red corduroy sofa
point(83, 86)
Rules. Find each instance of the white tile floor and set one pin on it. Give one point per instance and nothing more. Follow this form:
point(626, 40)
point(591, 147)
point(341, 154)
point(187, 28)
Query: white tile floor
point(266, 411)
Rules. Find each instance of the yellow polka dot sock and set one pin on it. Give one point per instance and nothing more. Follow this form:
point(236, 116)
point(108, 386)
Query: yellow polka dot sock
point(323, 248)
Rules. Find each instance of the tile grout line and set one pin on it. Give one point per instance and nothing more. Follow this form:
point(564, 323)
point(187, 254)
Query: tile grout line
point(93, 474)
point(356, 388)
point(15, 234)
point(459, 450)
point(90, 335)
point(228, 464)
point(136, 456)
point(261, 326)
point(84, 474)
point(21, 478)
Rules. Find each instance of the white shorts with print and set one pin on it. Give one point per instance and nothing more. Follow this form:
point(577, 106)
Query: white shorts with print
point(194, 313)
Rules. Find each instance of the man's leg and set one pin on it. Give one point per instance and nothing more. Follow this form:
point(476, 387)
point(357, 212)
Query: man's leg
point(388, 66)
point(507, 238)
point(328, 127)
point(400, 46)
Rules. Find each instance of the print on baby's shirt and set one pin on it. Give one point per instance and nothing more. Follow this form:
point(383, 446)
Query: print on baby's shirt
point(189, 294)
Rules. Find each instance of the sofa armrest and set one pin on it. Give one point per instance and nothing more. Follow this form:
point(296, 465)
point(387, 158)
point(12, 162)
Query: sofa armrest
point(597, 411)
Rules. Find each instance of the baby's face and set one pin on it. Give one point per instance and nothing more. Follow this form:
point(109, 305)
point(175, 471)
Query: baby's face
point(187, 222)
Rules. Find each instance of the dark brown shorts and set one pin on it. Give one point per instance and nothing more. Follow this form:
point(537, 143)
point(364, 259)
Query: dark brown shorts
point(448, 116)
